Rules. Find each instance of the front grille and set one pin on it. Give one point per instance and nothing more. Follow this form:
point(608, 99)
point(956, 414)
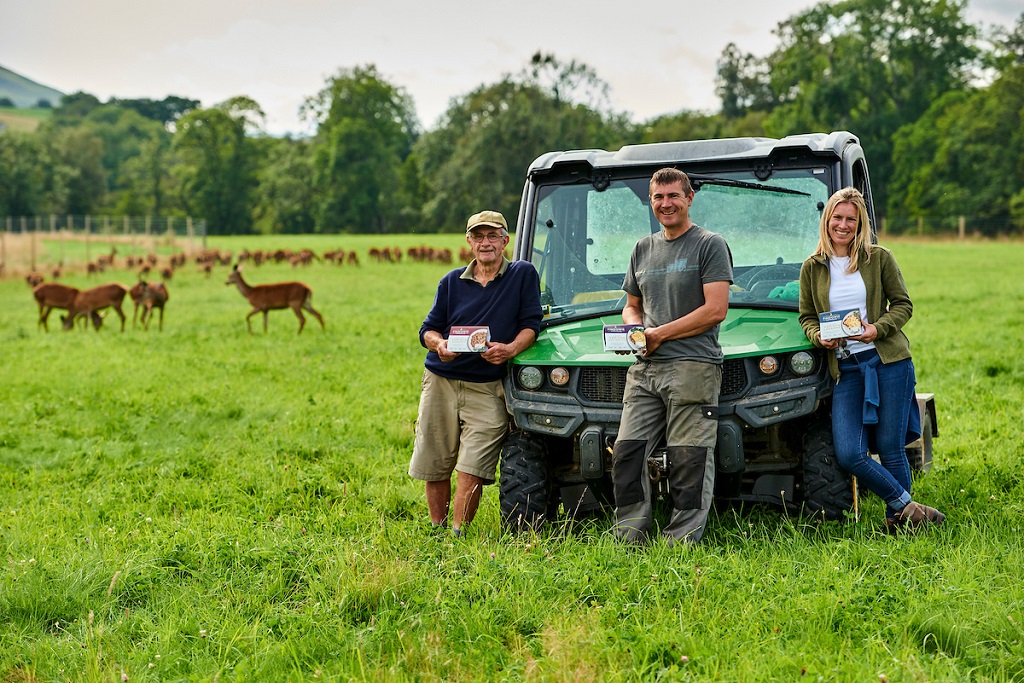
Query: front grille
point(607, 385)
point(734, 378)
point(603, 385)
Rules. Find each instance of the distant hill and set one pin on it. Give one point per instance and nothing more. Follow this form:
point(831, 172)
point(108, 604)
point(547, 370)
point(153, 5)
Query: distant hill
point(26, 93)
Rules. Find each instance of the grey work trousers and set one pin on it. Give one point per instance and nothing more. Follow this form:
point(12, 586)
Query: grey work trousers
point(677, 400)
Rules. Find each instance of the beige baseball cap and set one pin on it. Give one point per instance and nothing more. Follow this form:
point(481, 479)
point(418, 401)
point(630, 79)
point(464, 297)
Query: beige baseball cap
point(490, 219)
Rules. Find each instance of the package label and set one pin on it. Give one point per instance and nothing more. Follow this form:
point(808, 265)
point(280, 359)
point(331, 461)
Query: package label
point(840, 324)
point(469, 339)
point(624, 338)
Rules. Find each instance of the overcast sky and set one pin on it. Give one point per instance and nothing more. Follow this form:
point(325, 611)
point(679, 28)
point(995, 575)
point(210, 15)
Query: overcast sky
point(656, 57)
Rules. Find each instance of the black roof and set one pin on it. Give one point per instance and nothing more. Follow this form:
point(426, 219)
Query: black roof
point(670, 153)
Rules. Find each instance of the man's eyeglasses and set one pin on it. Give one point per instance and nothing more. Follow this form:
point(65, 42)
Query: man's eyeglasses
point(490, 237)
point(842, 353)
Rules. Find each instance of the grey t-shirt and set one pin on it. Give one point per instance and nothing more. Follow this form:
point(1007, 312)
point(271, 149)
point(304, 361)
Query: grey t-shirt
point(669, 276)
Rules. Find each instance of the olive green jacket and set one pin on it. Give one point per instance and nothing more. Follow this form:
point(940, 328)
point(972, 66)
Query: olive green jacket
point(888, 304)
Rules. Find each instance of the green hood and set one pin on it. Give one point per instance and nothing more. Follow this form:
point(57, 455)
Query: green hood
point(745, 332)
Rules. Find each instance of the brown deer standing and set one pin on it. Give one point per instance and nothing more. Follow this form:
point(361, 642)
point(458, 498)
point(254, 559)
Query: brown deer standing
point(154, 295)
point(50, 295)
point(147, 296)
point(273, 297)
point(90, 301)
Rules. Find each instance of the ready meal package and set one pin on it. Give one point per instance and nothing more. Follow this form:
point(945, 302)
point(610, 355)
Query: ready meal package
point(468, 339)
point(624, 338)
point(840, 324)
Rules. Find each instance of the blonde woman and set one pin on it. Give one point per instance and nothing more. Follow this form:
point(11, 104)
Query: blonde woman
point(874, 393)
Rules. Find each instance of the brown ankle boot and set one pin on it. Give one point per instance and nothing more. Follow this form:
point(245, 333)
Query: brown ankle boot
point(915, 514)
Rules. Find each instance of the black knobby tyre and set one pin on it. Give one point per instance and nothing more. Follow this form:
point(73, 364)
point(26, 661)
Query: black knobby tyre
point(828, 489)
point(523, 483)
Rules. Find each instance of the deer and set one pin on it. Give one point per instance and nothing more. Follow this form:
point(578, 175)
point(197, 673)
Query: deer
point(50, 295)
point(273, 297)
point(140, 292)
point(154, 295)
point(90, 301)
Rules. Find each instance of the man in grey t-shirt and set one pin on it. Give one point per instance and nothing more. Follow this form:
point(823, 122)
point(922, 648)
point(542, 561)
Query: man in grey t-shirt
point(677, 287)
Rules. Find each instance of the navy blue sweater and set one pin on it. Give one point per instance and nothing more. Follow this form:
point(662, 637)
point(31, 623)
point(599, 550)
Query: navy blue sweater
point(508, 304)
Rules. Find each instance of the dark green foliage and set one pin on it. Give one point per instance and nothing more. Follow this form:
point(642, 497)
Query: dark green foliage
point(869, 66)
point(965, 155)
point(218, 174)
point(365, 130)
point(167, 110)
point(486, 140)
point(22, 173)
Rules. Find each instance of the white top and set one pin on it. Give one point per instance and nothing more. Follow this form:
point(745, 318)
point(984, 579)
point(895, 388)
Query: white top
point(845, 291)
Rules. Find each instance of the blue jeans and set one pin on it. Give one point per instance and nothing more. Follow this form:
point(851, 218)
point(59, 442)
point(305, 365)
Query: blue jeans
point(889, 480)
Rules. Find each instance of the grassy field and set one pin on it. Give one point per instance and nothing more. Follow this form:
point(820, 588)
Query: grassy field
point(23, 120)
point(203, 504)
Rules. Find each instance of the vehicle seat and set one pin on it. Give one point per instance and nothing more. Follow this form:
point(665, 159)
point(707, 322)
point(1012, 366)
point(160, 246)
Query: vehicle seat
point(603, 295)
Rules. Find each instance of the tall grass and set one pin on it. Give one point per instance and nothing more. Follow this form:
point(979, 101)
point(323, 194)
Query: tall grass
point(205, 504)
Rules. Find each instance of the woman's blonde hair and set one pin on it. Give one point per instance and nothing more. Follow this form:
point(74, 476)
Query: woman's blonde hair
point(861, 241)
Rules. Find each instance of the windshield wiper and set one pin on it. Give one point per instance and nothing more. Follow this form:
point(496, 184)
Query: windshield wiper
point(698, 180)
point(582, 311)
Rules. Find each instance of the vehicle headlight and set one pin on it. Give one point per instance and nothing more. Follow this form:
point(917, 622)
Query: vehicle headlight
point(769, 365)
point(531, 378)
point(802, 363)
point(559, 377)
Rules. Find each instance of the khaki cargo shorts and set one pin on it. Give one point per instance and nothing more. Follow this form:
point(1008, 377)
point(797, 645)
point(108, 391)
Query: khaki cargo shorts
point(460, 426)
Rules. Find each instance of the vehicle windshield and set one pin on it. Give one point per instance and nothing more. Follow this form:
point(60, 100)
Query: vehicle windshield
point(583, 237)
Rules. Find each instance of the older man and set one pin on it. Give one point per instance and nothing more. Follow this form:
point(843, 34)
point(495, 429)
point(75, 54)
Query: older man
point(462, 417)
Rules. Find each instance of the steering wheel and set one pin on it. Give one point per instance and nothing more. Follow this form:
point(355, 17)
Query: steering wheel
point(756, 274)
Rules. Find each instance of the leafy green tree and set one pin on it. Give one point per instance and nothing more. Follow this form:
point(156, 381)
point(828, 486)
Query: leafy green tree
point(287, 195)
point(123, 132)
point(76, 180)
point(73, 108)
point(22, 175)
point(478, 155)
point(166, 111)
point(1009, 44)
point(690, 125)
point(965, 156)
point(219, 164)
point(146, 180)
point(365, 130)
point(869, 66)
point(743, 83)
point(567, 83)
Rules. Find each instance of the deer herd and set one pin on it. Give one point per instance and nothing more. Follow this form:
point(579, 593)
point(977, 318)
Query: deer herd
point(90, 306)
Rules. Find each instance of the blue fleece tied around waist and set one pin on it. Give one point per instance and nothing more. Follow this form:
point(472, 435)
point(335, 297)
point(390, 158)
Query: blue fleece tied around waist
point(872, 397)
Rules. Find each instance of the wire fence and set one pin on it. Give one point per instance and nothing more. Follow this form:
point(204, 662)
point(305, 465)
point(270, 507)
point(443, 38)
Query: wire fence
point(70, 243)
point(945, 227)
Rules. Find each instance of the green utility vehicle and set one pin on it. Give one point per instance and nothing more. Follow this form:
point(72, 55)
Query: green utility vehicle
point(581, 213)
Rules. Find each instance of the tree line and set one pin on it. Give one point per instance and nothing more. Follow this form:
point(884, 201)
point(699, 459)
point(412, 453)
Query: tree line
point(936, 102)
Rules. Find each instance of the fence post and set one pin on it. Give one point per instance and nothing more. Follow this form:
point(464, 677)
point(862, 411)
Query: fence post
point(87, 231)
point(3, 246)
point(106, 229)
point(32, 244)
point(962, 227)
point(920, 225)
point(68, 230)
